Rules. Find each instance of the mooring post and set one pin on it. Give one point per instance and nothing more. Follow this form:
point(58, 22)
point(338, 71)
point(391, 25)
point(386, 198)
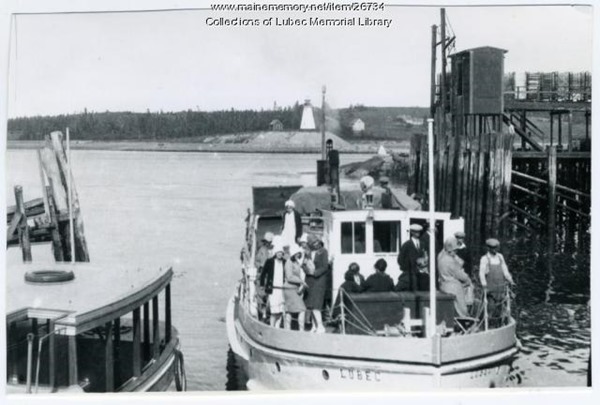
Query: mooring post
point(551, 221)
point(570, 131)
point(23, 228)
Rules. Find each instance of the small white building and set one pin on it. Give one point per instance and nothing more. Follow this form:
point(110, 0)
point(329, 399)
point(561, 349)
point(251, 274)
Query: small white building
point(276, 125)
point(357, 126)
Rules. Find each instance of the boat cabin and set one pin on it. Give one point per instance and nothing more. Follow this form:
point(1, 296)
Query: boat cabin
point(89, 328)
point(364, 236)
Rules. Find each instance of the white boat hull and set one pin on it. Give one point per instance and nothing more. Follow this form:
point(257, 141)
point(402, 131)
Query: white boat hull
point(269, 367)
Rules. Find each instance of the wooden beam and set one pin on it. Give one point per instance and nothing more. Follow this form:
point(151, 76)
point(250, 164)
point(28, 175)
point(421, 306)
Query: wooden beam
point(527, 214)
point(544, 155)
point(570, 131)
point(168, 313)
point(526, 190)
point(155, 328)
point(51, 356)
point(146, 328)
point(117, 351)
point(137, 352)
point(23, 228)
point(516, 105)
point(57, 247)
point(552, 171)
point(73, 378)
point(108, 358)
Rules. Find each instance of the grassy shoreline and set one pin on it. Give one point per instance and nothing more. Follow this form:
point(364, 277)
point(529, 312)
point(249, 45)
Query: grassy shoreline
point(155, 146)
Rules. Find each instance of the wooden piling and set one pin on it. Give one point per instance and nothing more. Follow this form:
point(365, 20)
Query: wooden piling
point(55, 167)
point(552, 170)
point(22, 228)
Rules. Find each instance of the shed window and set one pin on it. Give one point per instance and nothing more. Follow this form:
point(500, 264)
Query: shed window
point(385, 236)
point(353, 237)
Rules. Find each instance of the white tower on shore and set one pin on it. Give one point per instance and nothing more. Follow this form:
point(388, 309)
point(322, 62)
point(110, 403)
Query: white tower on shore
point(308, 119)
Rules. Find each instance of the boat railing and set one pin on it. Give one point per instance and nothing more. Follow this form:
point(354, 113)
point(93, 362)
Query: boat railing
point(51, 348)
point(350, 314)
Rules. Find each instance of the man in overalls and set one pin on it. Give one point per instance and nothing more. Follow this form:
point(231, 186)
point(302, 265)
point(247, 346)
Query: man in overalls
point(494, 275)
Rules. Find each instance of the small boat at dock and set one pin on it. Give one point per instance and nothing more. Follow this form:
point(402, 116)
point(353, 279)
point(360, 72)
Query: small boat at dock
point(78, 327)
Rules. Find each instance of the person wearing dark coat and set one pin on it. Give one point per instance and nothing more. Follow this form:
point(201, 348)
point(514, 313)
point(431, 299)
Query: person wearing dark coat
point(272, 280)
point(317, 282)
point(353, 284)
point(379, 281)
point(410, 251)
point(353, 281)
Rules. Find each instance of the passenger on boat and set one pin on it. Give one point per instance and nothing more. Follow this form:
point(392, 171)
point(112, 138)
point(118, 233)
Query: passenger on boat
point(379, 281)
point(293, 289)
point(463, 252)
point(263, 253)
point(317, 282)
point(410, 251)
point(292, 223)
point(307, 264)
point(353, 284)
point(386, 196)
point(494, 277)
point(452, 277)
point(271, 279)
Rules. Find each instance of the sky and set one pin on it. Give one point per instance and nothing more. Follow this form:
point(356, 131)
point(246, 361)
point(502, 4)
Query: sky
point(173, 61)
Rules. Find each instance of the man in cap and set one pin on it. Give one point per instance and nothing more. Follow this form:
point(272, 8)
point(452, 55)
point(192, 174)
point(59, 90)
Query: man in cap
point(410, 251)
point(386, 196)
point(494, 277)
point(292, 223)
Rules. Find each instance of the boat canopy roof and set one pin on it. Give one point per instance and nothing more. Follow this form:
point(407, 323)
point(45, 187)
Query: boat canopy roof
point(97, 294)
point(311, 199)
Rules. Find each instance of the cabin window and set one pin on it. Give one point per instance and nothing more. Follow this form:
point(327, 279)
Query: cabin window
point(353, 237)
point(385, 236)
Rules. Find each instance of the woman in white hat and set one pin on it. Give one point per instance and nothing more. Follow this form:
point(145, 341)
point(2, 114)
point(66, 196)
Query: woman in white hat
point(453, 279)
point(293, 288)
point(292, 223)
point(271, 279)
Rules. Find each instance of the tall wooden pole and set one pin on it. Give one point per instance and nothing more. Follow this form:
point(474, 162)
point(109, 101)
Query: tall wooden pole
point(433, 60)
point(443, 78)
point(323, 152)
point(70, 198)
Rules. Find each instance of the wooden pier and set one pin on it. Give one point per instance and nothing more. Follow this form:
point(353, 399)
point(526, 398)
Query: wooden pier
point(512, 165)
point(47, 219)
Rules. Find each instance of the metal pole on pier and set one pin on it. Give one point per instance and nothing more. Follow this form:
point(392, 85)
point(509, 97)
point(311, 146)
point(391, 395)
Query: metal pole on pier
point(433, 60)
point(432, 275)
point(443, 77)
point(323, 152)
point(70, 198)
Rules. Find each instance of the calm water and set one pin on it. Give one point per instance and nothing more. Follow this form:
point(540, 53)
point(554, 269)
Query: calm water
point(187, 210)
